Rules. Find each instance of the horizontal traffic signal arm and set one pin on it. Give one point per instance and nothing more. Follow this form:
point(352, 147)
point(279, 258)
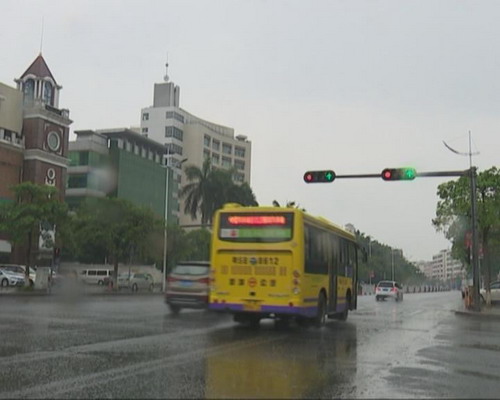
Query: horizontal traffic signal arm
point(310, 177)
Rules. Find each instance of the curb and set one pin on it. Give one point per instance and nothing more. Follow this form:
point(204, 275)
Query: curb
point(480, 314)
point(56, 294)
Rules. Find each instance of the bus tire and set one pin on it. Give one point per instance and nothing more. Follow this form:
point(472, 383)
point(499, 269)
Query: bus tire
point(343, 315)
point(320, 318)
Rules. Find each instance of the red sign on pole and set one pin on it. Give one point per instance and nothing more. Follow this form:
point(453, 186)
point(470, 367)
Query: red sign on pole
point(468, 239)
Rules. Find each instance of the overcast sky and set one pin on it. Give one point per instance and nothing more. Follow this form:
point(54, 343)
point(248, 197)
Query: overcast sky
point(353, 86)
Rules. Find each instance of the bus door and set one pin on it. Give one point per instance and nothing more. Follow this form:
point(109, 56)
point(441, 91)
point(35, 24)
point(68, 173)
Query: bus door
point(332, 290)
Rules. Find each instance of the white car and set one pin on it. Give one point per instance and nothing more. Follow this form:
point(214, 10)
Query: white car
point(390, 289)
point(495, 291)
point(8, 278)
point(20, 269)
point(135, 281)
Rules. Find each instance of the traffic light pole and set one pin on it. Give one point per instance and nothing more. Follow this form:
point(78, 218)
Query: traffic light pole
point(475, 259)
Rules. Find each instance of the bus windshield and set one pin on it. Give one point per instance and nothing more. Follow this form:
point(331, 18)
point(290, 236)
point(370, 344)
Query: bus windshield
point(256, 227)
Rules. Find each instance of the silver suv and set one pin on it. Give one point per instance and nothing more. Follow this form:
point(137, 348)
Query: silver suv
point(390, 289)
point(187, 286)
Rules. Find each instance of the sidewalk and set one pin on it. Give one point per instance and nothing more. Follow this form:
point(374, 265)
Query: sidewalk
point(78, 291)
point(492, 312)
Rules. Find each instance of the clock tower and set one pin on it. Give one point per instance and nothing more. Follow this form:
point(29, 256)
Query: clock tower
point(45, 128)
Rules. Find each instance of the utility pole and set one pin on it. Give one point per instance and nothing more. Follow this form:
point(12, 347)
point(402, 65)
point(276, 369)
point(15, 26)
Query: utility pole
point(475, 252)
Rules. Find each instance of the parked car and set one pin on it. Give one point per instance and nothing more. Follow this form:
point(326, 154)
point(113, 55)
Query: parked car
point(95, 276)
point(495, 291)
point(187, 286)
point(20, 269)
point(136, 281)
point(391, 289)
point(9, 278)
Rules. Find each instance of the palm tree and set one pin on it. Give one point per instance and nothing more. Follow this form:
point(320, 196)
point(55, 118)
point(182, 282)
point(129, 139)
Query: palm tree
point(210, 188)
point(198, 192)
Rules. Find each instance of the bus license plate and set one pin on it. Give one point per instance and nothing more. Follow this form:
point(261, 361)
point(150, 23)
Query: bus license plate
point(251, 306)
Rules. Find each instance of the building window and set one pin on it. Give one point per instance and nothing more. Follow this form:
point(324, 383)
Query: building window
point(176, 133)
point(227, 148)
point(239, 151)
point(145, 117)
point(216, 145)
point(29, 89)
point(215, 159)
point(206, 140)
point(48, 93)
point(239, 164)
point(174, 115)
point(144, 130)
point(77, 181)
point(206, 153)
point(239, 177)
point(226, 162)
point(172, 148)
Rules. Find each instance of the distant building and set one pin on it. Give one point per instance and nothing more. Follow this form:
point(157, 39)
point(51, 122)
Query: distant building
point(444, 267)
point(34, 134)
point(192, 139)
point(120, 163)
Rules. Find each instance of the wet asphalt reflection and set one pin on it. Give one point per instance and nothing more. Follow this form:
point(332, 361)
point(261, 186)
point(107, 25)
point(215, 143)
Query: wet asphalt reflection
point(132, 347)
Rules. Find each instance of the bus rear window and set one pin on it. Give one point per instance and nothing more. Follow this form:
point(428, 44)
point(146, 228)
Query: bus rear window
point(257, 227)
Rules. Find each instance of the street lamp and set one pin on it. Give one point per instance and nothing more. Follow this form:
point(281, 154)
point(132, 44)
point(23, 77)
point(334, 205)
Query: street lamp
point(392, 261)
point(167, 187)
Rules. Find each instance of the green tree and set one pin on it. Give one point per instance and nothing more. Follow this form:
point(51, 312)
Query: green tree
point(114, 227)
point(453, 216)
point(210, 188)
point(379, 260)
point(199, 244)
point(34, 206)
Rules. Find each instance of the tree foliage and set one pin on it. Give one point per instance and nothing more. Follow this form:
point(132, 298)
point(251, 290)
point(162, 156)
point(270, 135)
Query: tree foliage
point(113, 228)
point(453, 217)
point(209, 188)
point(379, 261)
point(34, 205)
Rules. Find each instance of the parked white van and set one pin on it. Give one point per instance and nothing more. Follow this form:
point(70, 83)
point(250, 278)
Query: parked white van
point(95, 276)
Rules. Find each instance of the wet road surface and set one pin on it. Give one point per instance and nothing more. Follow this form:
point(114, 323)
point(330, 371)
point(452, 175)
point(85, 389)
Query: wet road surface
point(132, 347)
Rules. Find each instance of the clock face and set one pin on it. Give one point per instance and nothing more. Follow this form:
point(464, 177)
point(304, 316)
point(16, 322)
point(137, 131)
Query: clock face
point(53, 141)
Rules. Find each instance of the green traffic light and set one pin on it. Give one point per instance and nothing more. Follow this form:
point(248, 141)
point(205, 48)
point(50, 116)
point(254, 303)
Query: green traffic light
point(410, 173)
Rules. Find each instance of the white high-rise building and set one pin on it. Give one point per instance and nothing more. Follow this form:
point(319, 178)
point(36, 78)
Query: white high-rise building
point(445, 267)
point(189, 139)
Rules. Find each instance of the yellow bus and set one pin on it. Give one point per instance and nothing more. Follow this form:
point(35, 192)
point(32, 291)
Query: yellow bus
point(281, 263)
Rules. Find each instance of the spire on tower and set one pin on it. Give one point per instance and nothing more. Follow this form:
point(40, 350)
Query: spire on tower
point(166, 78)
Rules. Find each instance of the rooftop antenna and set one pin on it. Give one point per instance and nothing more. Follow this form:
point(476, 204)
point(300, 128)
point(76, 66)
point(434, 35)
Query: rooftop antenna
point(41, 38)
point(165, 78)
point(470, 153)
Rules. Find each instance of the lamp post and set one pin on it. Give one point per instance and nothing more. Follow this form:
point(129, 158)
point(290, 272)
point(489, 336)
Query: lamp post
point(167, 187)
point(392, 264)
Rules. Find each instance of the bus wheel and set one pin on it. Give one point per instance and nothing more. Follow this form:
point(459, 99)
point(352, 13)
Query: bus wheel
point(343, 315)
point(320, 318)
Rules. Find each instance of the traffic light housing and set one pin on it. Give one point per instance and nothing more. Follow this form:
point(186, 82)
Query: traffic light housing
point(398, 174)
point(326, 176)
